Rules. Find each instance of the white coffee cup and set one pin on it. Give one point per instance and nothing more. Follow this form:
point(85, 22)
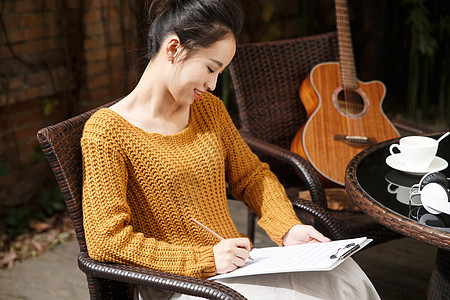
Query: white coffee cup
point(416, 152)
point(402, 194)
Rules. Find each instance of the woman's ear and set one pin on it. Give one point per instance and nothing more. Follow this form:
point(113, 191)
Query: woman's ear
point(172, 47)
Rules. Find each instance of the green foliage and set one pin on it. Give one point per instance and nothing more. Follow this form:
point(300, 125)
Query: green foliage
point(429, 60)
point(415, 58)
point(226, 87)
point(51, 201)
point(4, 171)
point(17, 219)
point(49, 105)
point(37, 155)
point(268, 11)
point(421, 27)
point(303, 18)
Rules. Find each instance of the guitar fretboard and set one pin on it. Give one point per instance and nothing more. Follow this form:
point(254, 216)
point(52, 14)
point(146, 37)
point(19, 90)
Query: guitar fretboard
point(346, 58)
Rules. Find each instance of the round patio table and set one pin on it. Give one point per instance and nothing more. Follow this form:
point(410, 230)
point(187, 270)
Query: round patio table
point(383, 193)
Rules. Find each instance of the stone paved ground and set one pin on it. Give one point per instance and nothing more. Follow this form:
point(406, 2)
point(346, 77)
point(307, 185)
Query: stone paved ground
point(53, 275)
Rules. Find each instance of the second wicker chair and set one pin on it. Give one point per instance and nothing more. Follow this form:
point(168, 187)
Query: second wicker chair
point(266, 78)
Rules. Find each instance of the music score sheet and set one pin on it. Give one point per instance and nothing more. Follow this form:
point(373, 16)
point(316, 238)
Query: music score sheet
point(298, 258)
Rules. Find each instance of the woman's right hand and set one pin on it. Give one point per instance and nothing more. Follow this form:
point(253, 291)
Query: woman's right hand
point(230, 254)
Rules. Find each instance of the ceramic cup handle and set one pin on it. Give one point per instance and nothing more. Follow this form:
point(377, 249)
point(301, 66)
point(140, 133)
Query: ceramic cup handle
point(392, 188)
point(394, 146)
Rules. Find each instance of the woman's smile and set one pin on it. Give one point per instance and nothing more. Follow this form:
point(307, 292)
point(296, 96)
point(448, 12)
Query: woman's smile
point(197, 94)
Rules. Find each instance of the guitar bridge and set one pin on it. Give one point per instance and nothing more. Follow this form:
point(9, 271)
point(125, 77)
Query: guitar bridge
point(355, 140)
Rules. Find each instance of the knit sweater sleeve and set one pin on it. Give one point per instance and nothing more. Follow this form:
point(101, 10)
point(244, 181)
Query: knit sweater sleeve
point(251, 181)
point(107, 216)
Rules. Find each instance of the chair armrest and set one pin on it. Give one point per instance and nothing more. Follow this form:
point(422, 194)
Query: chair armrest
point(156, 279)
point(322, 215)
point(301, 166)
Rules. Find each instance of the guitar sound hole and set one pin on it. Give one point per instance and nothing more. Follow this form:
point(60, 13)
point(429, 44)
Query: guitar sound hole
point(350, 102)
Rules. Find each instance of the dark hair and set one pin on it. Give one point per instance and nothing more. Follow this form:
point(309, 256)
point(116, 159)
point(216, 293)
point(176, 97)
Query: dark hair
point(197, 23)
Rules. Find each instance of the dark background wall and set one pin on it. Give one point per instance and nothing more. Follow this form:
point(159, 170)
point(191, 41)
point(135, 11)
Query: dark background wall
point(59, 58)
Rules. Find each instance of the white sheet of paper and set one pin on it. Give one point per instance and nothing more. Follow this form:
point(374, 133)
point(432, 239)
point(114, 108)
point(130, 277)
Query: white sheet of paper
point(298, 258)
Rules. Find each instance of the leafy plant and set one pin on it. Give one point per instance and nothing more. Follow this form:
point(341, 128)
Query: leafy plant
point(37, 155)
point(51, 202)
point(416, 57)
point(49, 105)
point(17, 219)
point(4, 171)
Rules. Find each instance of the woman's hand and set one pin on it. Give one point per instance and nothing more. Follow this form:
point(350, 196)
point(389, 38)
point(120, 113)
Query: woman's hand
point(230, 254)
point(303, 234)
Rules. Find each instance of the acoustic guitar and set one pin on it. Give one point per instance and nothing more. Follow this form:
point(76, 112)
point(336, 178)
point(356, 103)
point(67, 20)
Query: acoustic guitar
point(344, 114)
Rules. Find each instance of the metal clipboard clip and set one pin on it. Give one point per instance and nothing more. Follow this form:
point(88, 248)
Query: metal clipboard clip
point(350, 249)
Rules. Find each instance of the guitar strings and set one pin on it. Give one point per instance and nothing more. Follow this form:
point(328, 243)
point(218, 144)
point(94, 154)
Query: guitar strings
point(350, 85)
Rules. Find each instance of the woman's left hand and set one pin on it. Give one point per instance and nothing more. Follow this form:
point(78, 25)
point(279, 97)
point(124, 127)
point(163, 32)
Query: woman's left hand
point(303, 234)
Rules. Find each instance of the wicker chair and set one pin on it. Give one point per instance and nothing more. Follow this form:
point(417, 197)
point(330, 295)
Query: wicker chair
point(61, 146)
point(266, 78)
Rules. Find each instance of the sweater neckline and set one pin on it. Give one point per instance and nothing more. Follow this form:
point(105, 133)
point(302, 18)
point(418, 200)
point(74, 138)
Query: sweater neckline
point(155, 134)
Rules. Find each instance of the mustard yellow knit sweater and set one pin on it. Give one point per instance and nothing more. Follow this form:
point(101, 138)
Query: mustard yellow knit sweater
point(141, 189)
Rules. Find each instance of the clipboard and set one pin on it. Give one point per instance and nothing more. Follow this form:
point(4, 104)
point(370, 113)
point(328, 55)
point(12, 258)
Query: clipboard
point(298, 258)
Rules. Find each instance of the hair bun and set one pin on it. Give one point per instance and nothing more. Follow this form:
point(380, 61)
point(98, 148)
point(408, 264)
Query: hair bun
point(158, 7)
point(197, 23)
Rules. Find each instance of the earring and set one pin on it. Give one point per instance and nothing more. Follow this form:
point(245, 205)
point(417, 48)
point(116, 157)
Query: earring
point(170, 56)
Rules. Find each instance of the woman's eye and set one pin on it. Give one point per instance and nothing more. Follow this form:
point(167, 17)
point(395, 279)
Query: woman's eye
point(210, 70)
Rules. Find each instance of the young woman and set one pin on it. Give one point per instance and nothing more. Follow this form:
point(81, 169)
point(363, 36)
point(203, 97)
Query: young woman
point(163, 155)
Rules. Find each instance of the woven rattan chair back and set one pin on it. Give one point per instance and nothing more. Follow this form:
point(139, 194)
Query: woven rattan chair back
point(61, 146)
point(266, 79)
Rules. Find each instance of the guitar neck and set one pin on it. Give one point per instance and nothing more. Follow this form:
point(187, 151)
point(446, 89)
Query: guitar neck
point(346, 58)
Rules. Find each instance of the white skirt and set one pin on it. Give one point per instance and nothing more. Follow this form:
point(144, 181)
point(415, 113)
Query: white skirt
point(346, 281)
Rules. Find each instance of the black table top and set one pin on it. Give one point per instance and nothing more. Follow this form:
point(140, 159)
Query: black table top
point(383, 193)
point(390, 187)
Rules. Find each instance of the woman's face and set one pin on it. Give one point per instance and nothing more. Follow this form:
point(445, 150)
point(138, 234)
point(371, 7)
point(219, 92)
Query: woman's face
point(198, 74)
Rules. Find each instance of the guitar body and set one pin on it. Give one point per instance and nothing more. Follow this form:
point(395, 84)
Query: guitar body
point(336, 131)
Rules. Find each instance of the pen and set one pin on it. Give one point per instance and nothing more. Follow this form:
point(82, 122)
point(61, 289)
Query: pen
point(212, 232)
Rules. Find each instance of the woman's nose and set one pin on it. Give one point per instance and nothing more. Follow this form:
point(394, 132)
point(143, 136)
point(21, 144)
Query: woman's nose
point(211, 84)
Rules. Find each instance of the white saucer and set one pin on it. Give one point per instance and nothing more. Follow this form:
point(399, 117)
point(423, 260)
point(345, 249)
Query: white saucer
point(438, 164)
